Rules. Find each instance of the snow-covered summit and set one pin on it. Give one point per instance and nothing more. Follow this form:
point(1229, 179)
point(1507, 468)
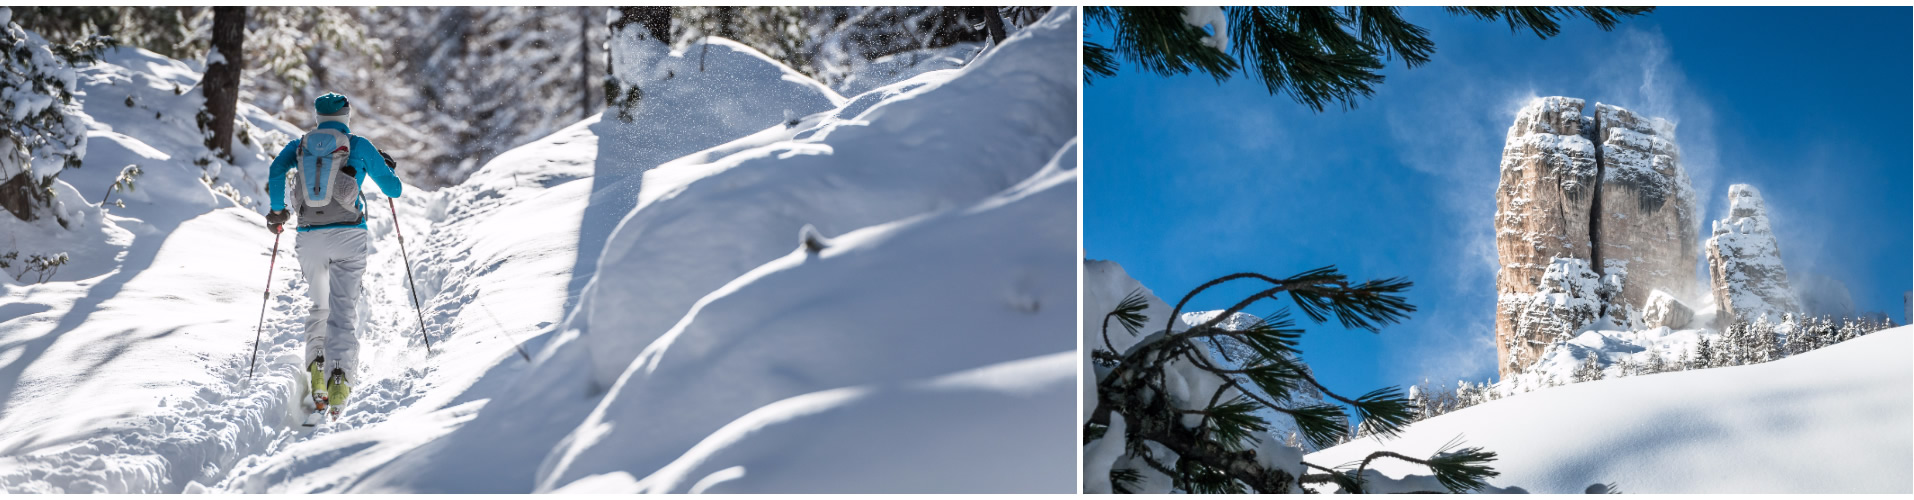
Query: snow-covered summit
point(1607, 189)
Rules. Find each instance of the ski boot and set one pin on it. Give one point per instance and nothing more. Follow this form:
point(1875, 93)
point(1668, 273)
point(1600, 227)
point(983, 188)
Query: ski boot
point(320, 398)
point(337, 390)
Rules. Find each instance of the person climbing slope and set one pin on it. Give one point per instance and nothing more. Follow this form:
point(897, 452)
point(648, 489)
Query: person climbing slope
point(328, 165)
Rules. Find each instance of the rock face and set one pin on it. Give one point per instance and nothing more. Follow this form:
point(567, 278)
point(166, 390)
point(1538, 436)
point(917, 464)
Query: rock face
point(1567, 296)
point(1648, 226)
point(1542, 206)
point(1664, 310)
point(1606, 188)
point(1745, 262)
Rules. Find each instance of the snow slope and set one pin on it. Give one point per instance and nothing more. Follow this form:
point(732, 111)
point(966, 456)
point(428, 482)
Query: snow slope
point(1834, 420)
point(122, 374)
point(696, 97)
point(982, 366)
point(936, 301)
point(1830, 420)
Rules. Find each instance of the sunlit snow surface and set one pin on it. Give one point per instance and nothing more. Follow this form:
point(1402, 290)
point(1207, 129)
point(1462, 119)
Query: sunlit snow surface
point(1834, 420)
point(940, 300)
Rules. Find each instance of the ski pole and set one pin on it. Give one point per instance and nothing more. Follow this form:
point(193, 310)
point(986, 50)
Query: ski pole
point(408, 274)
point(265, 298)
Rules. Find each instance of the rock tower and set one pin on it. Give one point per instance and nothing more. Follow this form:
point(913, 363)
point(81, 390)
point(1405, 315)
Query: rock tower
point(1599, 196)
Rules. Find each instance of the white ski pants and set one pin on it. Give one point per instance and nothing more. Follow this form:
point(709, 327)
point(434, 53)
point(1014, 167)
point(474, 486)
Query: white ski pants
point(333, 260)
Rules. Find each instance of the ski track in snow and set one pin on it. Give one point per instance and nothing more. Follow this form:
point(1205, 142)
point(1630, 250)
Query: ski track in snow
point(253, 417)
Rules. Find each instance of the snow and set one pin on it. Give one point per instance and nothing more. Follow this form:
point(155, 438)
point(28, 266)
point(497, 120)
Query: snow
point(1829, 420)
point(864, 76)
point(684, 110)
point(1750, 267)
point(923, 349)
point(34, 78)
point(701, 221)
point(1213, 21)
point(1105, 285)
point(722, 231)
point(1834, 420)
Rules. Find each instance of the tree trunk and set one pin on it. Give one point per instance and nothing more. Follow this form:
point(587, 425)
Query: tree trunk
point(727, 16)
point(656, 21)
point(993, 22)
point(16, 195)
point(221, 83)
point(584, 62)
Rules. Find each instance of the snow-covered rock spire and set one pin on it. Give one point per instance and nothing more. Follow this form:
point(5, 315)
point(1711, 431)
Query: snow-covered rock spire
point(1745, 262)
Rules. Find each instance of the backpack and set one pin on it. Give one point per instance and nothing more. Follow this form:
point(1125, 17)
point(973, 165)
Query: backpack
point(328, 188)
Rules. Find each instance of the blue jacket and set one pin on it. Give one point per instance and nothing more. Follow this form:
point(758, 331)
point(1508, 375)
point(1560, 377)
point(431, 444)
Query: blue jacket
point(365, 159)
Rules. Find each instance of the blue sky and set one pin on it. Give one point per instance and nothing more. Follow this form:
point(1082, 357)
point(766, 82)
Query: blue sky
point(1187, 180)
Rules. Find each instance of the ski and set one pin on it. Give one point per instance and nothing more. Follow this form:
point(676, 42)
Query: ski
point(319, 411)
point(315, 418)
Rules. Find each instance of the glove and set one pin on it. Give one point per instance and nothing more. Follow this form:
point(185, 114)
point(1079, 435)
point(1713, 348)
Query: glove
point(275, 219)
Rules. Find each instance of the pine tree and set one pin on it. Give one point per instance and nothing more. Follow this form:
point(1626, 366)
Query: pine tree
point(168, 31)
point(633, 30)
point(1849, 330)
point(1218, 454)
point(41, 136)
point(1419, 401)
point(1465, 395)
point(1760, 340)
point(1317, 55)
point(1775, 342)
point(777, 32)
point(1589, 371)
point(1704, 354)
point(1655, 363)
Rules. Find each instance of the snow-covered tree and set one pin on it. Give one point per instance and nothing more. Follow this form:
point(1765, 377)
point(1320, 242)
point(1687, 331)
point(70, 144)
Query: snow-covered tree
point(1656, 363)
point(1420, 401)
point(777, 31)
point(1208, 435)
point(1761, 343)
point(845, 38)
point(38, 135)
point(1850, 329)
point(176, 32)
point(640, 37)
point(1589, 370)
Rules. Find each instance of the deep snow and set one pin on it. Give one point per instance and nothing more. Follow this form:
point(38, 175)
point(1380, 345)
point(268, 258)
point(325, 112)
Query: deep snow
point(1834, 420)
point(923, 349)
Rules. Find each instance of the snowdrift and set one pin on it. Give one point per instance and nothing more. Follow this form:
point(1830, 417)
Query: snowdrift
point(1834, 420)
point(713, 236)
point(699, 96)
point(942, 143)
point(854, 318)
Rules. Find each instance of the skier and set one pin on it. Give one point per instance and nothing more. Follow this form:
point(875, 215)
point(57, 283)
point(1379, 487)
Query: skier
point(331, 163)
